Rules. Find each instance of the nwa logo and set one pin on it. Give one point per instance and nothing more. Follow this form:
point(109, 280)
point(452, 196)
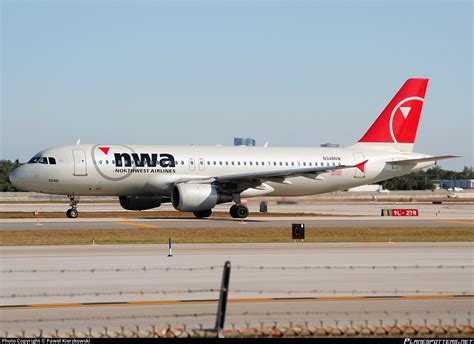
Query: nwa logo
point(144, 159)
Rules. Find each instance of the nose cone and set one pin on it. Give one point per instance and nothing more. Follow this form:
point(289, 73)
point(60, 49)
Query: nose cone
point(18, 177)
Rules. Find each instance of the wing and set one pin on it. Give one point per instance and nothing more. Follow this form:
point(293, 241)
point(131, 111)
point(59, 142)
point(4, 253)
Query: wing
point(257, 178)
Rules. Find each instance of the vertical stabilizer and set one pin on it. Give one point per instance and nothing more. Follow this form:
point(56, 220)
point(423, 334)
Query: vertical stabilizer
point(397, 125)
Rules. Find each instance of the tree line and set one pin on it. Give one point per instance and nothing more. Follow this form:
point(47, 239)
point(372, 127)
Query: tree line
point(6, 166)
point(423, 180)
point(420, 180)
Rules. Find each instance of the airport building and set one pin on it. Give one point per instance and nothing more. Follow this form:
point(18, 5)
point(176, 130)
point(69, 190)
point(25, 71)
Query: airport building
point(330, 145)
point(451, 184)
point(239, 141)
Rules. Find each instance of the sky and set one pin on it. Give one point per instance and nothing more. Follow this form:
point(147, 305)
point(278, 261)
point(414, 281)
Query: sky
point(294, 73)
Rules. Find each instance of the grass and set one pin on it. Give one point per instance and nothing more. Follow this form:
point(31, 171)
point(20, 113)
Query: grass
point(232, 235)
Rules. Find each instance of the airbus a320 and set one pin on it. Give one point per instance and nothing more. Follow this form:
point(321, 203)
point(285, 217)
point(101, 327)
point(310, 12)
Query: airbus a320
point(196, 179)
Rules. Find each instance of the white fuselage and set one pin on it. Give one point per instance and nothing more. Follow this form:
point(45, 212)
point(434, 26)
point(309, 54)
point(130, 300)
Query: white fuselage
point(88, 170)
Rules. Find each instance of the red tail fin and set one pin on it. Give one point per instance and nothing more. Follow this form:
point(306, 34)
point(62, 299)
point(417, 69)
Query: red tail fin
point(398, 122)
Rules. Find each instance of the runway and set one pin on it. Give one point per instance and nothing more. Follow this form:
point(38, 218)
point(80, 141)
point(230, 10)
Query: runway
point(333, 215)
point(426, 210)
point(269, 282)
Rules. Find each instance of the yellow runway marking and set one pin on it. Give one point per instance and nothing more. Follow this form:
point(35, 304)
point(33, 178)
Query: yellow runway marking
point(136, 224)
point(243, 300)
point(453, 221)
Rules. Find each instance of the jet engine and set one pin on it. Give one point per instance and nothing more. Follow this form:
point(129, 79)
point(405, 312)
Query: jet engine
point(140, 203)
point(197, 197)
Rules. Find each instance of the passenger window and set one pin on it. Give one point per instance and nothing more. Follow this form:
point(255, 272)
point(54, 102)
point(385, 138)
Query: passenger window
point(43, 160)
point(292, 164)
point(334, 164)
point(274, 163)
point(315, 164)
point(215, 163)
point(238, 163)
point(220, 162)
point(227, 163)
point(107, 162)
point(256, 163)
point(232, 163)
point(113, 162)
point(245, 163)
point(250, 163)
point(100, 162)
point(304, 164)
point(208, 162)
point(310, 164)
point(286, 163)
point(52, 161)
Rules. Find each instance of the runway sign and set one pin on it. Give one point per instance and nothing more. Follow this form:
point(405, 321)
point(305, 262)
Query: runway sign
point(400, 212)
point(297, 231)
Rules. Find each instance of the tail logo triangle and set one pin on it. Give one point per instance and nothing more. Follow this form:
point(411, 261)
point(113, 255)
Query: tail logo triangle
point(405, 111)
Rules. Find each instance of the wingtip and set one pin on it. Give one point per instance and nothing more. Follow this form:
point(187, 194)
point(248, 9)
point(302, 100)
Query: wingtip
point(361, 165)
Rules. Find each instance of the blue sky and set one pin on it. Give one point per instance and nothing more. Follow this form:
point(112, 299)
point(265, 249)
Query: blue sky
point(201, 72)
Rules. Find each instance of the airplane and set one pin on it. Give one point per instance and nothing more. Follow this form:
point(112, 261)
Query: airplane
point(197, 178)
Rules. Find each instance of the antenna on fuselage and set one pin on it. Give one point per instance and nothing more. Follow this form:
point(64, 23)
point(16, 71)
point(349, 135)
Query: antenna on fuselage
point(78, 142)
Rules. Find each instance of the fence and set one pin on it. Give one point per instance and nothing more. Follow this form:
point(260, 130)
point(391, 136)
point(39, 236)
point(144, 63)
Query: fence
point(401, 323)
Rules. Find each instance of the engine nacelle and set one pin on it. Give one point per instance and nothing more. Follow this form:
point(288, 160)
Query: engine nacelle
point(197, 197)
point(140, 203)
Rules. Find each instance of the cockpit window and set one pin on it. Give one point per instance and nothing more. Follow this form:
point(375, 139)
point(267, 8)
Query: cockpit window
point(52, 161)
point(43, 160)
point(34, 160)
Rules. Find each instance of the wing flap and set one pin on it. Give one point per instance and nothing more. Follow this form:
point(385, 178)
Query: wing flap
point(416, 161)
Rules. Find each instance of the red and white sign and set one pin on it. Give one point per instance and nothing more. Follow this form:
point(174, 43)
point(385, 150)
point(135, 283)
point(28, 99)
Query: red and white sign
point(404, 212)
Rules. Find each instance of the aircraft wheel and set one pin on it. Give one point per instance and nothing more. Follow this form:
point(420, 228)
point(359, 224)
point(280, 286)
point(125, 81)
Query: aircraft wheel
point(202, 214)
point(242, 211)
point(72, 213)
point(233, 211)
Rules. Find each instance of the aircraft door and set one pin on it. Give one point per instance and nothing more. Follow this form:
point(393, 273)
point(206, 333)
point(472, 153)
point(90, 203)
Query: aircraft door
point(358, 157)
point(192, 166)
point(80, 164)
point(202, 166)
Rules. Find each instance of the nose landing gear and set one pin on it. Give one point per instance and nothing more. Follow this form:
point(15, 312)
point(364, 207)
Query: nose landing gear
point(239, 211)
point(73, 213)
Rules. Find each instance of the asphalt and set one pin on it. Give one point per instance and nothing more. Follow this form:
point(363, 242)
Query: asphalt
point(332, 215)
point(128, 285)
point(426, 210)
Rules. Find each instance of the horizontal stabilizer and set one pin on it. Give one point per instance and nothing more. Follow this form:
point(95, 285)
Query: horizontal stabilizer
point(415, 161)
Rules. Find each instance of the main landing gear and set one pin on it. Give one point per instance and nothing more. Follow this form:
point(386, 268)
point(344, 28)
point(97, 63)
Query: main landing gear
point(72, 213)
point(239, 211)
point(202, 214)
